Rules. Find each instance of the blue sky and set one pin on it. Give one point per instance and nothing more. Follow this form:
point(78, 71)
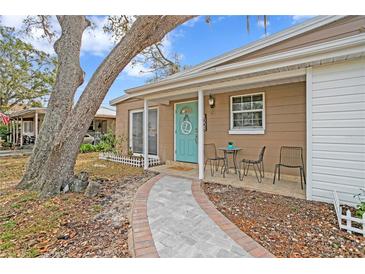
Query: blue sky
point(196, 41)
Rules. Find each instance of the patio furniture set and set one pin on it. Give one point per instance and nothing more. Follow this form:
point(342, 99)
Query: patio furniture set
point(290, 157)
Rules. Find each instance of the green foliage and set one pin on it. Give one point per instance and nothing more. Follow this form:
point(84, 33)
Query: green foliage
point(3, 132)
point(7, 144)
point(103, 146)
point(100, 147)
point(85, 148)
point(109, 138)
point(360, 209)
point(36, 104)
point(26, 73)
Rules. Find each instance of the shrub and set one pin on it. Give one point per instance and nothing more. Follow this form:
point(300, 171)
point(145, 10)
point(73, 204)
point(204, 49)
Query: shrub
point(103, 147)
point(360, 209)
point(3, 132)
point(109, 138)
point(7, 144)
point(85, 148)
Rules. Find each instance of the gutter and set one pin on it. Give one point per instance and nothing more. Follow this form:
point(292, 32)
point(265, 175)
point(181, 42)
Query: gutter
point(275, 38)
point(252, 66)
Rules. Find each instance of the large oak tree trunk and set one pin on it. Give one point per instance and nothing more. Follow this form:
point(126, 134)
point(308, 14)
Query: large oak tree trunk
point(69, 78)
point(54, 156)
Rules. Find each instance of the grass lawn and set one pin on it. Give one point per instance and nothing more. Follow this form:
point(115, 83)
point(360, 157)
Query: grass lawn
point(30, 226)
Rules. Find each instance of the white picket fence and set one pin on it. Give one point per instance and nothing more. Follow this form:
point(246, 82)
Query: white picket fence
point(128, 160)
point(349, 220)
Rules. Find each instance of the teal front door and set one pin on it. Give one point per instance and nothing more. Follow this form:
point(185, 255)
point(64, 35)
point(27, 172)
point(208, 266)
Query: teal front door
point(186, 132)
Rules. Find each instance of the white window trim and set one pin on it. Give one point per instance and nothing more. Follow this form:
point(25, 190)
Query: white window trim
point(131, 135)
point(248, 130)
point(29, 124)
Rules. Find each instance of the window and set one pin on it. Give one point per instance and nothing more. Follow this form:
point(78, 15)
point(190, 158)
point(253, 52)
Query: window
point(28, 128)
point(136, 131)
point(248, 114)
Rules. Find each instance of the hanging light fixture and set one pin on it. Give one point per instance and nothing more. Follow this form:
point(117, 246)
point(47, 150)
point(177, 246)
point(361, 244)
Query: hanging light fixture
point(211, 101)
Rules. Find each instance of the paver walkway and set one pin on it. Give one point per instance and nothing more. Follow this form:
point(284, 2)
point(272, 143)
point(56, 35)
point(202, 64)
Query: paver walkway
point(180, 228)
point(172, 217)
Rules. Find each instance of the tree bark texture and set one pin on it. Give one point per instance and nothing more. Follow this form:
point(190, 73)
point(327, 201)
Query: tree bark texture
point(53, 160)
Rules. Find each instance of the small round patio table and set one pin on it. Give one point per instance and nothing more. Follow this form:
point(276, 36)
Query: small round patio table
point(229, 151)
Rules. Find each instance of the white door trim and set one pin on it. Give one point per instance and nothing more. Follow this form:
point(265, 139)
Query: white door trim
point(130, 135)
point(178, 103)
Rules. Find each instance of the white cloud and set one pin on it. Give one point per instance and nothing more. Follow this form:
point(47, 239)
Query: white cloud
point(300, 18)
point(264, 35)
point(219, 19)
point(35, 36)
point(142, 70)
point(137, 70)
point(94, 40)
point(14, 21)
point(191, 23)
point(261, 23)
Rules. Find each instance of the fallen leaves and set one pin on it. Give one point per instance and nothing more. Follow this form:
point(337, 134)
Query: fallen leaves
point(286, 226)
point(69, 225)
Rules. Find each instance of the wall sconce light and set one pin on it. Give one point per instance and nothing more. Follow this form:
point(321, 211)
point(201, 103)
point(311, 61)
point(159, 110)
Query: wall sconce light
point(211, 101)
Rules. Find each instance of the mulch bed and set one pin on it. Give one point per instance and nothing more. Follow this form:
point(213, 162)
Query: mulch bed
point(106, 233)
point(286, 226)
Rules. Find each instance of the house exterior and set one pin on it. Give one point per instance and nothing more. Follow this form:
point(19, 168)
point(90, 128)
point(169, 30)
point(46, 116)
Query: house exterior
point(304, 86)
point(27, 122)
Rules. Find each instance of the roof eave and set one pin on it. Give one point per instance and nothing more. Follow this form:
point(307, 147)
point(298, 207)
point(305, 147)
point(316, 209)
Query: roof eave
point(270, 40)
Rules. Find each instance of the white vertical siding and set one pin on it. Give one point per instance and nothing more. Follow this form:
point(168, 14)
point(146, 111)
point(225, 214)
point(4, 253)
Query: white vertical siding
point(337, 130)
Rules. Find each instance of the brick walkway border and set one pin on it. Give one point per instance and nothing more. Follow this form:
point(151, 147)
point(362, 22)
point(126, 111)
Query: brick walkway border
point(241, 238)
point(141, 244)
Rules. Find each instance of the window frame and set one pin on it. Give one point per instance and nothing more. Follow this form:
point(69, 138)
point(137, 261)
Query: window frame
point(130, 143)
point(248, 130)
point(26, 128)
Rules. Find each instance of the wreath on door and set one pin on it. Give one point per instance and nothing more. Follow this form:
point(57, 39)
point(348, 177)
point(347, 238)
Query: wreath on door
point(186, 126)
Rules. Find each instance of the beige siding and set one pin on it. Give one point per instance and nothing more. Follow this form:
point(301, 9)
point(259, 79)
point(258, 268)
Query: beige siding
point(348, 26)
point(165, 123)
point(122, 121)
point(285, 123)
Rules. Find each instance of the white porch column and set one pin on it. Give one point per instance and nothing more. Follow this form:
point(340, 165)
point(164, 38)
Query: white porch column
point(11, 131)
point(145, 133)
point(21, 131)
point(17, 131)
point(36, 125)
point(201, 134)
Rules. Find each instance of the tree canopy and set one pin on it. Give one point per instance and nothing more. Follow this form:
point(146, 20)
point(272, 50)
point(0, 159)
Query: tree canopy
point(26, 74)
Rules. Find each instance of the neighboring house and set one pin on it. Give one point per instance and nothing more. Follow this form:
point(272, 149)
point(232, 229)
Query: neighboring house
point(304, 86)
point(27, 122)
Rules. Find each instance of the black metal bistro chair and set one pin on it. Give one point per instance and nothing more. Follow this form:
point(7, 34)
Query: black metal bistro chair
point(259, 164)
point(291, 157)
point(211, 156)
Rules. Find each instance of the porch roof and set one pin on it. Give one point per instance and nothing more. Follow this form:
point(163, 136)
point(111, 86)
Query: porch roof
point(103, 112)
point(30, 112)
point(209, 76)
